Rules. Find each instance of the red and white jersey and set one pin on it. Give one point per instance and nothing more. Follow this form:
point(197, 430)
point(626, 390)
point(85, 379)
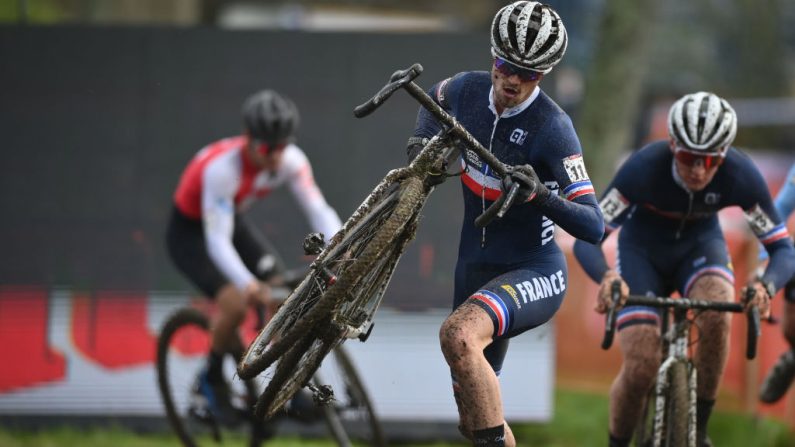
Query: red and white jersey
point(221, 180)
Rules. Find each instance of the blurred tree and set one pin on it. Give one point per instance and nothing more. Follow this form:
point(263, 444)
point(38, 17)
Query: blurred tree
point(753, 58)
point(613, 86)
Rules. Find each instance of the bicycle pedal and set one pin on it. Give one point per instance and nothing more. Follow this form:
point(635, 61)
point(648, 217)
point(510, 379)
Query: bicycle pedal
point(322, 395)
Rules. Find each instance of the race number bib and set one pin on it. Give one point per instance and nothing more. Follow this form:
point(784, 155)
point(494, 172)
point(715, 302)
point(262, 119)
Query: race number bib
point(613, 204)
point(759, 221)
point(575, 168)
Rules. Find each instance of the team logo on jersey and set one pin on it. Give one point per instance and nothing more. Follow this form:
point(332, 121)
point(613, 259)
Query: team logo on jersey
point(473, 159)
point(613, 204)
point(547, 226)
point(542, 287)
point(518, 136)
point(712, 198)
point(513, 294)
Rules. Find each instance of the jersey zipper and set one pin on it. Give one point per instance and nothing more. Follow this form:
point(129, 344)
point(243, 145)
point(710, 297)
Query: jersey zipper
point(483, 186)
point(684, 219)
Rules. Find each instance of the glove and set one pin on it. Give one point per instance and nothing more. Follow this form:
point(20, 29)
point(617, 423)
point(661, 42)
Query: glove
point(530, 186)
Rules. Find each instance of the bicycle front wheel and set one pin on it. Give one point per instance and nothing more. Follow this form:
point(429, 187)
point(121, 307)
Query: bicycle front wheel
point(677, 407)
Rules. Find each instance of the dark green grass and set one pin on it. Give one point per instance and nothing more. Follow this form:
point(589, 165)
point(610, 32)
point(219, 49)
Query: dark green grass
point(580, 421)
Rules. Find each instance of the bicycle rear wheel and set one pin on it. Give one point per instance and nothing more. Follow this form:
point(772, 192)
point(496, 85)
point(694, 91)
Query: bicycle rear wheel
point(360, 251)
point(294, 370)
point(182, 348)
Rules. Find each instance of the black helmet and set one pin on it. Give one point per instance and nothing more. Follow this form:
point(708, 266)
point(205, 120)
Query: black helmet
point(270, 117)
point(530, 35)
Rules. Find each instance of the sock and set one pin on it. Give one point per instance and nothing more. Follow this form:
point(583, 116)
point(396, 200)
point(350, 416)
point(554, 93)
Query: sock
point(490, 437)
point(703, 411)
point(215, 367)
point(618, 442)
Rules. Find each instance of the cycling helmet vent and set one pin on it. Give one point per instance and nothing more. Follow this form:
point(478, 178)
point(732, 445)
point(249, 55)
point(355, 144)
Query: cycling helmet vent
point(530, 35)
point(702, 122)
point(270, 117)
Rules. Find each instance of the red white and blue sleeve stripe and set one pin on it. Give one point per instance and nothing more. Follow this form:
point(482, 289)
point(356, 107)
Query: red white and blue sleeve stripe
point(578, 189)
point(777, 233)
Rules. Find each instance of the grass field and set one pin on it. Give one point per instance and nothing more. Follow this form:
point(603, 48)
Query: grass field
point(580, 421)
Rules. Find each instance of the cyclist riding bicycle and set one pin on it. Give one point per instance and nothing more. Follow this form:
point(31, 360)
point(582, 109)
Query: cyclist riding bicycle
point(781, 375)
point(666, 197)
point(212, 242)
point(511, 276)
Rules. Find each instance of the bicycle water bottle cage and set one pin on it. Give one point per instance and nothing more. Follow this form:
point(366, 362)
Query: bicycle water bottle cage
point(314, 243)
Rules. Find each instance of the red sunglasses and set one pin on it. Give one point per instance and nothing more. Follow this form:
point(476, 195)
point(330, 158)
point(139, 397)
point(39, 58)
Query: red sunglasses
point(689, 158)
point(264, 148)
point(508, 69)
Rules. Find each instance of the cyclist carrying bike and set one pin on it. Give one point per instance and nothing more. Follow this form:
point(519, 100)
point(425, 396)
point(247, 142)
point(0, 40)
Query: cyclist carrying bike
point(666, 197)
point(212, 242)
point(510, 276)
point(781, 375)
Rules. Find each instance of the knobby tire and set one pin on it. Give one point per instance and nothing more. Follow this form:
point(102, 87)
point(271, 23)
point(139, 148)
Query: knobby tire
point(297, 318)
point(301, 366)
point(293, 371)
point(677, 407)
point(181, 319)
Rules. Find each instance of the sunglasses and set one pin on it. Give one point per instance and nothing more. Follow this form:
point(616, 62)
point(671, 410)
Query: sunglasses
point(689, 158)
point(508, 69)
point(263, 147)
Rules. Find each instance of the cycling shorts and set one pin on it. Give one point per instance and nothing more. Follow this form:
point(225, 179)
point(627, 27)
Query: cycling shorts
point(659, 269)
point(517, 297)
point(188, 250)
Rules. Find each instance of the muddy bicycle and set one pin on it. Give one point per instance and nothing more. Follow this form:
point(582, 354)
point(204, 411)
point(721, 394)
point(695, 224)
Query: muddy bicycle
point(182, 348)
point(671, 420)
point(337, 300)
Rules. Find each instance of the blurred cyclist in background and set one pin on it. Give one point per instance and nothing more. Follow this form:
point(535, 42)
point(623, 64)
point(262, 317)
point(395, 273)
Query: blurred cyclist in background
point(511, 276)
point(780, 376)
point(667, 196)
point(211, 241)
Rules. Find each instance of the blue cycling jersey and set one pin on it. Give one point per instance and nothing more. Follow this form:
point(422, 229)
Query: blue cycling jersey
point(785, 200)
point(513, 268)
point(536, 132)
point(784, 203)
point(657, 211)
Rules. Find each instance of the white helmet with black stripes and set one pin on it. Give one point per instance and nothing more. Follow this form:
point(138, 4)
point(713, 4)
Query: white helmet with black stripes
point(702, 122)
point(530, 35)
